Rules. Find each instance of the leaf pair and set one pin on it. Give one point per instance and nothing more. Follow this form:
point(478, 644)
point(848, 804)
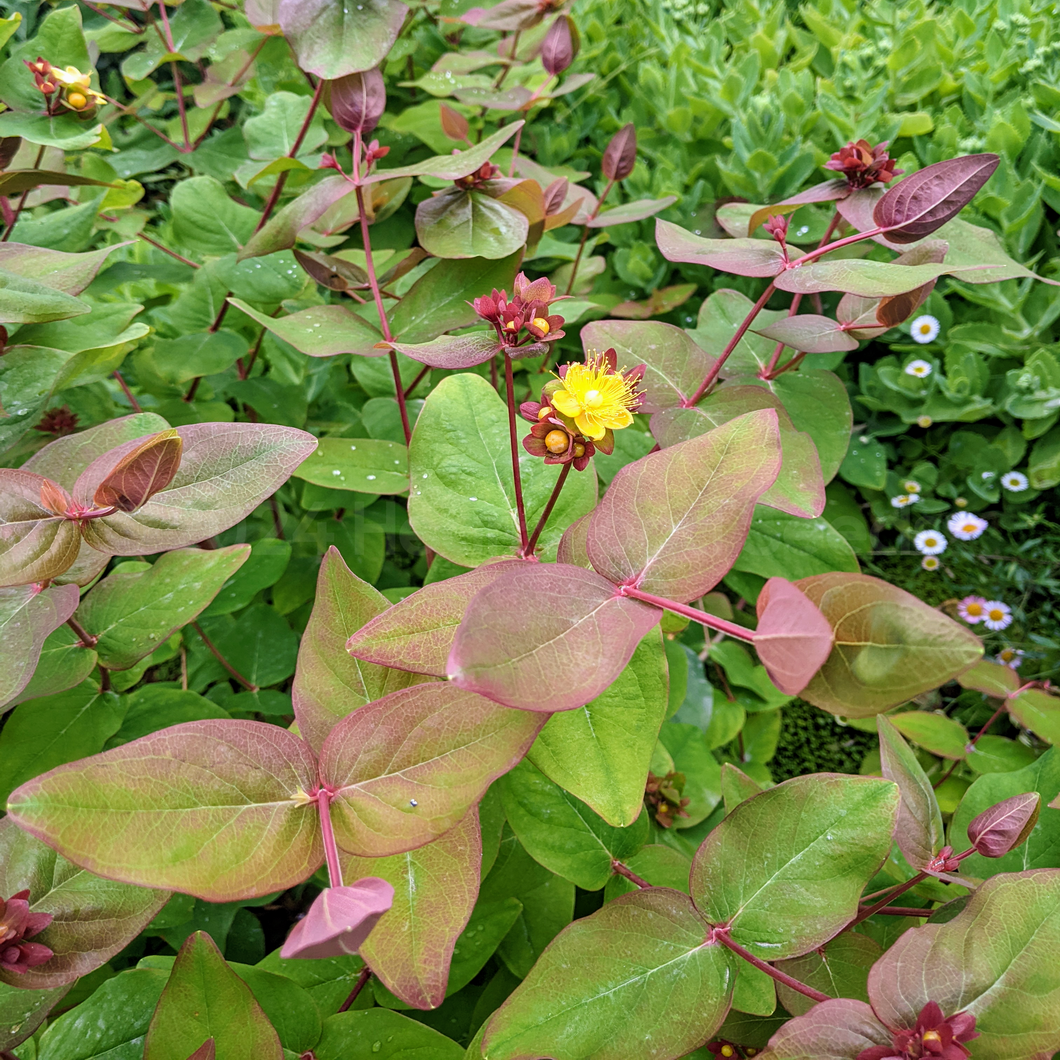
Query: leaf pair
point(224, 809)
point(649, 963)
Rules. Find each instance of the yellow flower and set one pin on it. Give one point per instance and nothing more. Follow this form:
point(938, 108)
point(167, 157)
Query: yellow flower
point(79, 94)
point(596, 398)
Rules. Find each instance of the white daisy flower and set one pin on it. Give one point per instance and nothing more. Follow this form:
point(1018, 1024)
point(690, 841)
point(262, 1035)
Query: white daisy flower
point(903, 500)
point(930, 563)
point(1014, 482)
point(997, 615)
point(929, 543)
point(961, 502)
point(1010, 657)
point(911, 486)
point(921, 369)
point(966, 526)
point(924, 329)
point(924, 421)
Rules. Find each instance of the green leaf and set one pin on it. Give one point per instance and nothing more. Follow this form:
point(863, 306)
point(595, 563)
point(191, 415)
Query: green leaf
point(786, 546)
point(462, 499)
point(919, 832)
point(435, 888)
point(44, 733)
point(206, 353)
point(490, 923)
point(24, 301)
point(600, 752)
point(28, 615)
point(936, 733)
point(458, 223)
point(133, 612)
point(260, 644)
point(636, 970)
point(397, 1037)
point(452, 166)
point(809, 847)
point(327, 980)
point(268, 560)
point(1042, 847)
point(720, 315)
point(281, 231)
point(286, 1005)
point(364, 465)
point(840, 969)
point(111, 1024)
point(995, 960)
point(678, 542)
point(408, 767)
point(153, 707)
point(22, 1011)
point(63, 664)
point(243, 827)
point(206, 219)
point(870, 279)
point(562, 833)
point(692, 757)
point(332, 40)
point(93, 918)
point(329, 683)
point(1037, 710)
point(28, 376)
point(889, 646)
point(204, 999)
point(320, 331)
point(276, 129)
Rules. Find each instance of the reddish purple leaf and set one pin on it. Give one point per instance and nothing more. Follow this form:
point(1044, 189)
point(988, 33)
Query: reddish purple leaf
point(675, 364)
point(357, 101)
point(799, 488)
point(454, 124)
point(409, 766)
point(547, 637)
point(673, 522)
point(839, 1029)
point(745, 257)
point(27, 615)
point(435, 889)
point(507, 15)
point(217, 809)
point(139, 475)
point(631, 211)
point(281, 231)
point(329, 684)
point(793, 638)
point(1005, 826)
point(620, 155)
point(451, 351)
point(810, 333)
point(924, 201)
point(572, 545)
point(827, 191)
point(36, 543)
point(339, 920)
point(417, 633)
point(206, 1051)
point(895, 309)
point(560, 45)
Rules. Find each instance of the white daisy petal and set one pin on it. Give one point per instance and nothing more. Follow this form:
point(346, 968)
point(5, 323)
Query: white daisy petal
point(929, 543)
point(965, 526)
point(1014, 481)
point(924, 329)
point(920, 369)
point(996, 615)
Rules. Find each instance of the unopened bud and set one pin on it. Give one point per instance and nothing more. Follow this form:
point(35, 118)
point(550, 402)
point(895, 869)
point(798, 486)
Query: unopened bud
point(560, 46)
point(541, 324)
point(1005, 826)
point(358, 101)
point(579, 449)
point(544, 412)
point(556, 441)
point(621, 154)
point(777, 227)
point(76, 100)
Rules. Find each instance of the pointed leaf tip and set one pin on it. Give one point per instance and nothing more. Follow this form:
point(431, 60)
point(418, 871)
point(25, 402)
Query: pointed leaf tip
point(139, 475)
point(339, 920)
point(793, 638)
point(1005, 826)
point(206, 1051)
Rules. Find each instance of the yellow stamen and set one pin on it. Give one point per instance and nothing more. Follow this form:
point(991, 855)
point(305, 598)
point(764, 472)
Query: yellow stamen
point(932, 1036)
point(974, 609)
point(596, 398)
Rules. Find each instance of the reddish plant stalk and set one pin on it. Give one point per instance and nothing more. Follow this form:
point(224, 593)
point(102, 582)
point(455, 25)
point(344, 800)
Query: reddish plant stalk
point(624, 870)
point(362, 980)
point(904, 910)
point(222, 660)
point(146, 124)
point(722, 936)
point(178, 81)
point(532, 543)
point(509, 383)
point(21, 202)
point(86, 638)
point(710, 621)
point(166, 250)
point(231, 82)
point(126, 391)
point(585, 236)
point(331, 849)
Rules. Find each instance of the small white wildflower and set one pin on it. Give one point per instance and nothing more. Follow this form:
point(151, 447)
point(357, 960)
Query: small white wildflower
point(1014, 482)
point(997, 615)
point(911, 486)
point(929, 543)
point(966, 526)
point(930, 563)
point(924, 329)
point(903, 500)
point(1010, 657)
point(919, 369)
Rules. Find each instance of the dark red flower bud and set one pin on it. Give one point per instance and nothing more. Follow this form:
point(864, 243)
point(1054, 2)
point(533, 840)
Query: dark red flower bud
point(1005, 826)
point(17, 924)
point(777, 227)
point(560, 46)
point(863, 164)
point(621, 154)
point(358, 101)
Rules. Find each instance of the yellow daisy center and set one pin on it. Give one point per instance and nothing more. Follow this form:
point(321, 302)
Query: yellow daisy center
point(925, 328)
point(596, 399)
point(974, 609)
point(995, 614)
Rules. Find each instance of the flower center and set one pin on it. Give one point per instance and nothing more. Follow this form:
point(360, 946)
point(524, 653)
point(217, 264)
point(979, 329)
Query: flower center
point(995, 615)
point(974, 609)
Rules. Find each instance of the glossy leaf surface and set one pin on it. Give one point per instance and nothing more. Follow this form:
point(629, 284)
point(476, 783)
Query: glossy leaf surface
point(793, 638)
point(919, 834)
point(745, 257)
point(27, 616)
point(321, 331)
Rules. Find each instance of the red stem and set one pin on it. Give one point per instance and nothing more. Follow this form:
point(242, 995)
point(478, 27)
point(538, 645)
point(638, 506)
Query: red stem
point(222, 660)
point(710, 621)
point(125, 389)
point(623, 870)
point(166, 250)
point(867, 911)
point(87, 639)
point(331, 850)
point(509, 382)
point(532, 543)
point(993, 717)
point(904, 910)
point(21, 202)
point(416, 382)
point(585, 236)
point(178, 81)
point(722, 936)
point(362, 979)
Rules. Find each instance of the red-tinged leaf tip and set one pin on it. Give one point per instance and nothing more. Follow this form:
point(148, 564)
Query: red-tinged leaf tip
point(1005, 826)
point(139, 475)
point(358, 100)
point(454, 124)
point(206, 1051)
point(620, 156)
point(923, 202)
point(560, 46)
point(54, 498)
point(339, 920)
point(793, 638)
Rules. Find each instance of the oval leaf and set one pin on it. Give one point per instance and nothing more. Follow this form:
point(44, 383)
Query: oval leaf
point(27, 615)
point(745, 257)
point(139, 475)
point(793, 638)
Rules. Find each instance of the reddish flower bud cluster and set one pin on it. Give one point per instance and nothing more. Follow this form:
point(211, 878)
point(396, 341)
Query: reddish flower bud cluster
point(42, 71)
point(777, 227)
point(527, 311)
point(58, 421)
point(862, 164)
point(17, 924)
point(487, 171)
point(666, 797)
point(933, 1036)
